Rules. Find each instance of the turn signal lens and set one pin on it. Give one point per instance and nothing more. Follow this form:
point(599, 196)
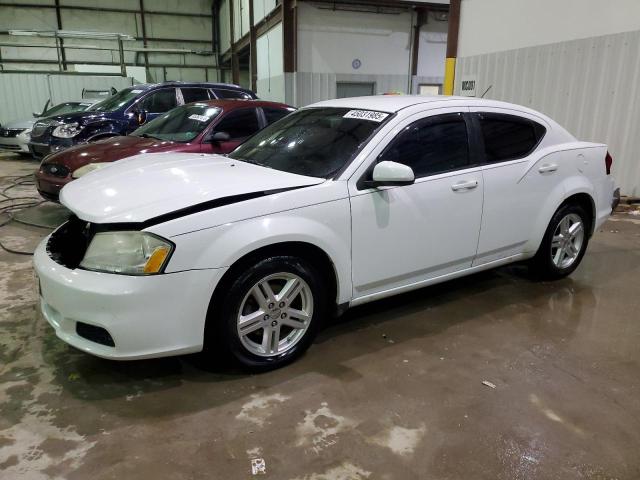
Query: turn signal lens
point(156, 260)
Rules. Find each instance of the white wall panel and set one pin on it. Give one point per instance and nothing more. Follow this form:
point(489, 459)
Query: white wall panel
point(432, 48)
point(329, 41)
point(496, 25)
point(224, 28)
point(24, 93)
point(591, 86)
point(270, 81)
point(262, 8)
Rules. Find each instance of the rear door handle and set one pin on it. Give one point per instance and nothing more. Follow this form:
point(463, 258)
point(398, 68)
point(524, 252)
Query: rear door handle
point(464, 185)
point(548, 168)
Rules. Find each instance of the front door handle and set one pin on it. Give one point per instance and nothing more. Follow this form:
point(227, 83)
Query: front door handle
point(469, 185)
point(548, 168)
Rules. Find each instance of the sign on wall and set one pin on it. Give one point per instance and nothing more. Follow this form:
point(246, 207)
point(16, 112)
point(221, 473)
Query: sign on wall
point(468, 85)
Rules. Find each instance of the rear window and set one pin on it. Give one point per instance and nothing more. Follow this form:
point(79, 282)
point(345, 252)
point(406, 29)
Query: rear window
point(509, 137)
point(194, 94)
point(224, 93)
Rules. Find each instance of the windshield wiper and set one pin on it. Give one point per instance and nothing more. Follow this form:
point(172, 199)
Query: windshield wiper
point(146, 135)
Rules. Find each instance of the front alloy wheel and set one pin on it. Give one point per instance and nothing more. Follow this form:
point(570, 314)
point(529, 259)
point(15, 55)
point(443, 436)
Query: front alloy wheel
point(275, 314)
point(268, 312)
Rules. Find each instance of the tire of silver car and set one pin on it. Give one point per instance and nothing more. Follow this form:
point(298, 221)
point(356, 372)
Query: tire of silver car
point(564, 243)
point(269, 313)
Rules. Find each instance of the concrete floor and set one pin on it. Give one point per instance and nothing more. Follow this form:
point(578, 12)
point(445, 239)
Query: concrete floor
point(393, 390)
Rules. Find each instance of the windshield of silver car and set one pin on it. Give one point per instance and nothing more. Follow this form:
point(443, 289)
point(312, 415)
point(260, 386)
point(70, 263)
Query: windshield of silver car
point(316, 142)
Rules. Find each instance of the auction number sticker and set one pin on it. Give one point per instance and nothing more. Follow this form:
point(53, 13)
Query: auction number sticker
point(200, 118)
point(366, 115)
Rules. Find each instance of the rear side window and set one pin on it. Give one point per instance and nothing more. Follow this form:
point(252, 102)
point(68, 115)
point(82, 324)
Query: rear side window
point(274, 114)
point(431, 145)
point(194, 94)
point(239, 124)
point(509, 137)
point(224, 93)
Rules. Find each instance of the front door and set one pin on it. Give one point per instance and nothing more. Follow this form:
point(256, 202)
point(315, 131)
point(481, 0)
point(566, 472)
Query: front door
point(410, 234)
point(239, 124)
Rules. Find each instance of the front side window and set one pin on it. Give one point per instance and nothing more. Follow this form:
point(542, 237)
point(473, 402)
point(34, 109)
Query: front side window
point(431, 145)
point(181, 124)
point(316, 142)
point(194, 94)
point(239, 124)
point(508, 137)
point(159, 102)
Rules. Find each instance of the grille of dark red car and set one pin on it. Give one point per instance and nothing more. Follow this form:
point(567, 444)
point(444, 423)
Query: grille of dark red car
point(55, 170)
point(68, 244)
point(10, 132)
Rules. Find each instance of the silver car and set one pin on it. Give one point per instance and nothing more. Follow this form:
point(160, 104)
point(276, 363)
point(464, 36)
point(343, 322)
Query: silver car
point(15, 136)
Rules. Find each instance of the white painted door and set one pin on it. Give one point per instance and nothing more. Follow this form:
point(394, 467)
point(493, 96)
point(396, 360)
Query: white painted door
point(408, 234)
point(517, 182)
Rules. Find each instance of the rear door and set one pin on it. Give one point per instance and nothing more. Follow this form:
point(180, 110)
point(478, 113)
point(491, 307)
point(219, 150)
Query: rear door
point(239, 124)
point(516, 181)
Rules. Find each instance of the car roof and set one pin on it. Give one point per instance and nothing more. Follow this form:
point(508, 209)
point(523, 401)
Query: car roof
point(230, 104)
point(395, 103)
point(147, 86)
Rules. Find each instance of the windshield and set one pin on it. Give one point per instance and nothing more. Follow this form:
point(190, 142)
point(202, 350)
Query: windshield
point(181, 124)
point(66, 107)
point(117, 101)
point(316, 142)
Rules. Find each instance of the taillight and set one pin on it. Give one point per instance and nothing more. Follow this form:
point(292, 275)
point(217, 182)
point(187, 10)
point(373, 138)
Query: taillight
point(608, 161)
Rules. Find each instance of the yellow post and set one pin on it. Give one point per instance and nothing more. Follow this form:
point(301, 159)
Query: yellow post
point(449, 75)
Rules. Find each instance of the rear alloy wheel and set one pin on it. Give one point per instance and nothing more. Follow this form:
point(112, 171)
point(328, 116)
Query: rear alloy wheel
point(567, 240)
point(564, 243)
point(270, 313)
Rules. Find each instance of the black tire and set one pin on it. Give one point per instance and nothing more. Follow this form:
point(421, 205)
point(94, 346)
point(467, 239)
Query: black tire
point(222, 323)
point(542, 265)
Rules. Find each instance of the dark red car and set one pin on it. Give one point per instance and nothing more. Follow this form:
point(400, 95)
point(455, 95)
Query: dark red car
point(214, 126)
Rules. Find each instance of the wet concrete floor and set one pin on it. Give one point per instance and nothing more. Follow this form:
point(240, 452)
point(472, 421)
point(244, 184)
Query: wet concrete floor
point(392, 390)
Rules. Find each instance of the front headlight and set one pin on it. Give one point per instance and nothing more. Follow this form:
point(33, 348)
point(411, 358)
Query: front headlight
point(68, 130)
point(25, 133)
point(90, 167)
point(128, 253)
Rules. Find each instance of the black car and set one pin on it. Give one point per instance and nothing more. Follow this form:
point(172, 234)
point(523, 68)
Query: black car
point(122, 113)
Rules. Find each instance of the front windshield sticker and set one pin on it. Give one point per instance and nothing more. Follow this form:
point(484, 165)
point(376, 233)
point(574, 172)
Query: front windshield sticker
point(200, 118)
point(136, 91)
point(366, 115)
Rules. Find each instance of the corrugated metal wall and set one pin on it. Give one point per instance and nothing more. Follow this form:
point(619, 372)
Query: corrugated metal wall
point(178, 24)
point(590, 86)
point(24, 93)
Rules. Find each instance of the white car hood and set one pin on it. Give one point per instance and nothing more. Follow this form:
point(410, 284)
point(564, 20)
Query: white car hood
point(147, 186)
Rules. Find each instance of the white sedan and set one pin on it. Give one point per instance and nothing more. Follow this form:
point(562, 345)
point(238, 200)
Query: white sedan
point(340, 203)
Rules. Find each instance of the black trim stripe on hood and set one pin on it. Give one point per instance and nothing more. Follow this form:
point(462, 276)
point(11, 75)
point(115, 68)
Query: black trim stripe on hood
point(190, 210)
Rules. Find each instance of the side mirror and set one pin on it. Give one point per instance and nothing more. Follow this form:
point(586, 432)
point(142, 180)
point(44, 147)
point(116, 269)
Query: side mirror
point(141, 116)
point(220, 137)
point(391, 174)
